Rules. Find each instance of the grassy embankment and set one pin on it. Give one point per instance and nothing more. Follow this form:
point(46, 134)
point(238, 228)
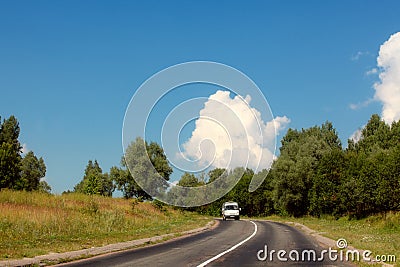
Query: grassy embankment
point(35, 224)
point(379, 234)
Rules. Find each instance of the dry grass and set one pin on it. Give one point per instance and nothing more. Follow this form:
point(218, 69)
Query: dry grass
point(33, 223)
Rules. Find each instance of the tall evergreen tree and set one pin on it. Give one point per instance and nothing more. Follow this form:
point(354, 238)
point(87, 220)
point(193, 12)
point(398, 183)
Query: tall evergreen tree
point(10, 153)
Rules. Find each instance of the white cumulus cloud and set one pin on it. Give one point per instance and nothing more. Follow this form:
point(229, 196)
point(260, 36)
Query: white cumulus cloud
point(230, 133)
point(387, 90)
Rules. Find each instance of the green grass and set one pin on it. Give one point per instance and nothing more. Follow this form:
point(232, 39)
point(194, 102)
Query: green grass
point(34, 223)
point(379, 233)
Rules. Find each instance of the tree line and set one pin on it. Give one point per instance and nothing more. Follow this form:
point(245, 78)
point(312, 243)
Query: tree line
point(135, 165)
point(18, 171)
point(313, 175)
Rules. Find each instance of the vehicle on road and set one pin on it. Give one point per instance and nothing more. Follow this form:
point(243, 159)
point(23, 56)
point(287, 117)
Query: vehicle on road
point(230, 210)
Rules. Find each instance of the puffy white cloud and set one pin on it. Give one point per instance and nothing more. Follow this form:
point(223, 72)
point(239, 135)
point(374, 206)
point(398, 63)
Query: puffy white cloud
point(230, 133)
point(387, 90)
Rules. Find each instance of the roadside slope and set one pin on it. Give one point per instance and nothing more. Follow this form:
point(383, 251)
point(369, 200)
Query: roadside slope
point(34, 224)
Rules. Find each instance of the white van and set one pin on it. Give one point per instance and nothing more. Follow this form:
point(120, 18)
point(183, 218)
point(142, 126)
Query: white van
point(230, 210)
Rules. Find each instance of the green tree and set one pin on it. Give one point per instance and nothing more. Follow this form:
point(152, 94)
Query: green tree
point(143, 166)
point(188, 180)
point(215, 174)
point(32, 170)
point(184, 195)
point(294, 172)
point(10, 153)
point(158, 159)
point(44, 187)
point(372, 176)
point(240, 192)
point(376, 134)
point(125, 182)
point(94, 182)
point(325, 194)
point(262, 198)
point(394, 134)
point(372, 184)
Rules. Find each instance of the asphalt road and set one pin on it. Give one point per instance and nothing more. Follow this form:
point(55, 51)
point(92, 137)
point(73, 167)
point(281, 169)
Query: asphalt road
point(232, 243)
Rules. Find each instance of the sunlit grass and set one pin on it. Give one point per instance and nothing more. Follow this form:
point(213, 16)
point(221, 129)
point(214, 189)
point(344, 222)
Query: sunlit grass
point(379, 233)
point(32, 223)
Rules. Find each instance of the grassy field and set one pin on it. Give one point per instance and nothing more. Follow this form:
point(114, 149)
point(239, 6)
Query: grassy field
point(379, 234)
point(34, 223)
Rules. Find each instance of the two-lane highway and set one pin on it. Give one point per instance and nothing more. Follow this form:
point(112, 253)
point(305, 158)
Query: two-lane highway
point(232, 243)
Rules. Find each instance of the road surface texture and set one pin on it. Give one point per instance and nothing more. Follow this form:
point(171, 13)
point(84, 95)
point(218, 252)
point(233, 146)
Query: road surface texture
point(232, 243)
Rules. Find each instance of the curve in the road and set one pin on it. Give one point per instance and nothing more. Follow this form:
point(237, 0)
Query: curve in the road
point(230, 249)
point(232, 243)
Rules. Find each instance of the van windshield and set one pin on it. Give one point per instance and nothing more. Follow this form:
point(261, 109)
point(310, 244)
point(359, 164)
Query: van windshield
point(231, 207)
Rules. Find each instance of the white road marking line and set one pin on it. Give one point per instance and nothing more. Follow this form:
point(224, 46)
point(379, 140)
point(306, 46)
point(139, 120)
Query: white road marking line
point(232, 248)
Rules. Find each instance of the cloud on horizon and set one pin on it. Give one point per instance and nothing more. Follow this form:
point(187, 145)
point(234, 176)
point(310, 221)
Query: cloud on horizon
point(387, 90)
point(230, 133)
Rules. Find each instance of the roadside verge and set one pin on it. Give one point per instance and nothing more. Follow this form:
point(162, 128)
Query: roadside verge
point(328, 242)
point(54, 258)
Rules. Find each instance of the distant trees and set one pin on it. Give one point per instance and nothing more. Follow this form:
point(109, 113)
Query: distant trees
point(95, 182)
point(142, 162)
point(189, 180)
point(372, 172)
point(17, 172)
point(314, 175)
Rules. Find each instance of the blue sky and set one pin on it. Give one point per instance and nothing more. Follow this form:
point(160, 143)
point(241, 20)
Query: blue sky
point(68, 69)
